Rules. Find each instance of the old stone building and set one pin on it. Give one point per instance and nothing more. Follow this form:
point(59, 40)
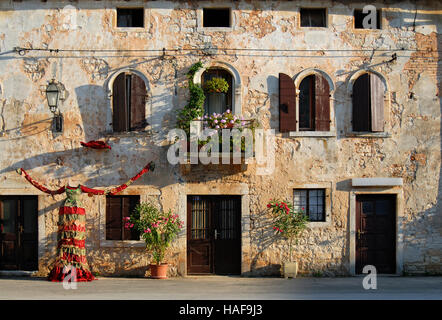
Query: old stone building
point(355, 112)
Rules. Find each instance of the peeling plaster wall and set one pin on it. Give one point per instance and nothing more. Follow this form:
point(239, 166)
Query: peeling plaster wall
point(412, 150)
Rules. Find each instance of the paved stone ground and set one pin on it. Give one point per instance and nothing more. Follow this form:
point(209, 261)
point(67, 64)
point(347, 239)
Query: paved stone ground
point(224, 288)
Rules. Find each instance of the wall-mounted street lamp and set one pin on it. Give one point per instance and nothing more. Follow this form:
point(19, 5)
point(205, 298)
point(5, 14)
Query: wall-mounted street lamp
point(52, 96)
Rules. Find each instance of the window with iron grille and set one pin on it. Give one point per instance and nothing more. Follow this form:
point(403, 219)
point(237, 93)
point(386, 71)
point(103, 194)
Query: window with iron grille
point(310, 201)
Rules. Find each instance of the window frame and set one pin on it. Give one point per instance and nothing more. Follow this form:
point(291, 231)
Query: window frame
point(219, 9)
point(145, 22)
point(326, 22)
point(313, 133)
point(378, 18)
point(328, 189)
point(209, 5)
point(122, 213)
point(229, 94)
point(112, 95)
point(312, 106)
point(369, 119)
point(307, 202)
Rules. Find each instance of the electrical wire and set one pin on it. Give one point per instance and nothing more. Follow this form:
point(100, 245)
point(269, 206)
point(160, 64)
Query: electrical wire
point(164, 50)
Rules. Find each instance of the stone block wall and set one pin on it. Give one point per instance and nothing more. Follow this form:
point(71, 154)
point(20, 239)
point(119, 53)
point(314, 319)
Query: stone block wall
point(410, 148)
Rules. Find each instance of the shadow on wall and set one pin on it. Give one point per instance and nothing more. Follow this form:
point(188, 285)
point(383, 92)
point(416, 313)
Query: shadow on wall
point(262, 238)
point(93, 105)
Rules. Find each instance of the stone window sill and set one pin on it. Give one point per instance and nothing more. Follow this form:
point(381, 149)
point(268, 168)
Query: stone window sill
point(369, 134)
point(215, 29)
point(312, 134)
point(319, 224)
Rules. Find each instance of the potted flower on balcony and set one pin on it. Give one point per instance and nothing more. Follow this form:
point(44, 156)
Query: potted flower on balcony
point(158, 229)
point(216, 85)
point(290, 224)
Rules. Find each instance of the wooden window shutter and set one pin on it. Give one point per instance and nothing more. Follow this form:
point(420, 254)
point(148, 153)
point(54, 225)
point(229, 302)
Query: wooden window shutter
point(377, 103)
point(322, 104)
point(137, 103)
point(119, 104)
point(114, 220)
point(361, 103)
point(287, 104)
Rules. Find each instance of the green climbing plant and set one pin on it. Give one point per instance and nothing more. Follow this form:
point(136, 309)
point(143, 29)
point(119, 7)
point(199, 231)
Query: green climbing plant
point(195, 106)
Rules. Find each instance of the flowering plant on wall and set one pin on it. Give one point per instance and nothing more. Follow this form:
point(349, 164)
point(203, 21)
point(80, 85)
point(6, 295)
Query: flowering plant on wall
point(227, 120)
point(287, 222)
point(158, 229)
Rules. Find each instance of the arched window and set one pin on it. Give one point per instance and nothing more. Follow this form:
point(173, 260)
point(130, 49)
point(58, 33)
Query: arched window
point(368, 103)
point(313, 113)
point(128, 103)
point(217, 102)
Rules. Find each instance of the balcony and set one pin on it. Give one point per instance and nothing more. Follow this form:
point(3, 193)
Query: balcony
point(226, 146)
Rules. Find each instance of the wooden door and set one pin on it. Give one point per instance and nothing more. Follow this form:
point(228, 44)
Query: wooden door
point(227, 235)
point(18, 233)
point(214, 235)
point(376, 232)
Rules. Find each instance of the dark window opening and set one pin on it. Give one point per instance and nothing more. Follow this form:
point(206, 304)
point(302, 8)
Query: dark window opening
point(130, 18)
point(359, 19)
point(117, 208)
point(313, 17)
point(310, 201)
point(216, 17)
point(307, 104)
point(217, 102)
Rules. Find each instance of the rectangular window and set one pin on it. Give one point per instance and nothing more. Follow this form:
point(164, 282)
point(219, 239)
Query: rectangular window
point(117, 208)
point(311, 201)
point(359, 19)
point(313, 17)
point(130, 18)
point(216, 17)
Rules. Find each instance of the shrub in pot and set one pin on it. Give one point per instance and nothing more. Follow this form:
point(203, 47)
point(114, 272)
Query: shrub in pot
point(290, 224)
point(158, 229)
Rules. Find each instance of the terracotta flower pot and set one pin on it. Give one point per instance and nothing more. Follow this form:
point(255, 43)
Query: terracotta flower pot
point(158, 271)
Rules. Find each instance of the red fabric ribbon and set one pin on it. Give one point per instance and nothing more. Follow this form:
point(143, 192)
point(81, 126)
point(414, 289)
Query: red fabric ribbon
point(95, 144)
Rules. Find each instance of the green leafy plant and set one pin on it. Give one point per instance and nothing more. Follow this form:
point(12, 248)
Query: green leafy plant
point(287, 222)
point(216, 85)
point(158, 229)
point(195, 105)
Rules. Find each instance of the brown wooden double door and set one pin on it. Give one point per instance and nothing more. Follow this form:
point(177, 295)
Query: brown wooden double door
point(214, 235)
point(376, 232)
point(18, 233)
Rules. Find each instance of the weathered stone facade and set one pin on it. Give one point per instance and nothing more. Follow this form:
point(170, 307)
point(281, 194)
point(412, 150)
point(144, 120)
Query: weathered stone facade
point(409, 148)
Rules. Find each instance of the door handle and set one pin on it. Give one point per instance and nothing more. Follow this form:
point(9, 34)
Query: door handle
point(216, 234)
point(359, 234)
point(21, 229)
